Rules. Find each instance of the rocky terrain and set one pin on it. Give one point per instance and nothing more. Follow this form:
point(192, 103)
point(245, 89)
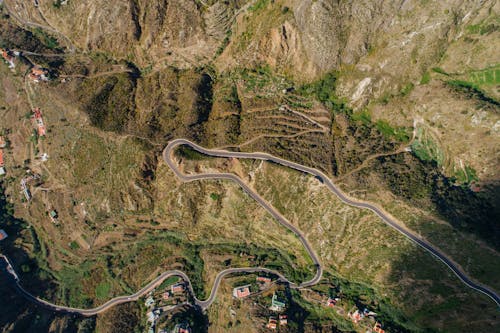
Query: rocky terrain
point(398, 101)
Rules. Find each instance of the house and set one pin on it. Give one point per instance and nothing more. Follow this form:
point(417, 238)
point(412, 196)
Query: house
point(283, 320)
point(3, 234)
point(53, 216)
point(165, 295)
point(8, 57)
point(177, 288)
point(331, 302)
point(1, 158)
point(368, 313)
point(271, 324)
point(37, 116)
point(263, 279)
point(3, 143)
point(38, 74)
point(378, 328)
point(356, 316)
point(27, 193)
point(276, 304)
point(149, 301)
point(2, 171)
point(241, 292)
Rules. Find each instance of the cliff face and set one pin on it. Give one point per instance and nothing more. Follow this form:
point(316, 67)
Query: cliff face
point(389, 40)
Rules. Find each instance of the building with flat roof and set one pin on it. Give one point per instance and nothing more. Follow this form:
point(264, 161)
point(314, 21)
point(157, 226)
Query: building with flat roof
point(240, 292)
point(3, 234)
point(277, 304)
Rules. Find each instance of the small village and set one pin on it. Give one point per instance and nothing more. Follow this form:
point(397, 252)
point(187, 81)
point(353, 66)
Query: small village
point(278, 319)
point(167, 297)
point(31, 179)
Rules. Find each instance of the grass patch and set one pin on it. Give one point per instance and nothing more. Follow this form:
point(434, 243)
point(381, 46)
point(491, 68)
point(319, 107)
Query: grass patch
point(439, 70)
point(190, 154)
point(487, 77)
point(74, 245)
point(102, 290)
point(46, 39)
point(426, 149)
point(388, 131)
point(472, 90)
point(466, 175)
point(325, 91)
point(363, 116)
point(259, 4)
point(426, 78)
point(169, 281)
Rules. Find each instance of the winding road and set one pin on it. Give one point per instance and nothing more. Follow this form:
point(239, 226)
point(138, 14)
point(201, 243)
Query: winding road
point(204, 304)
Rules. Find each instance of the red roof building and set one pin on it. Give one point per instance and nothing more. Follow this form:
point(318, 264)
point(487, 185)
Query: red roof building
point(37, 115)
point(263, 279)
point(378, 328)
point(272, 323)
point(177, 288)
point(241, 292)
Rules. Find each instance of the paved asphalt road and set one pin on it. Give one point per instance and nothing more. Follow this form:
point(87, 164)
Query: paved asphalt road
point(167, 156)
point(326, 181)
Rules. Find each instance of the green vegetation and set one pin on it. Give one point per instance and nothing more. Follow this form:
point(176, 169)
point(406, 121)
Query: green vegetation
point(400, 134)
point(406, 89)
point(440, 71)
point(259, 4)
point(168, 281)
point(46, 39)
point(426, 149)
point(190, 154)
point(224, 44)
point(324, 91)
point(426, 78)
point(362, 116)
point(102, 290)
point(483, 28)
point(74, 245)
point(215, 196)
point(473, 91)
point(489, 76)
point(466, 175)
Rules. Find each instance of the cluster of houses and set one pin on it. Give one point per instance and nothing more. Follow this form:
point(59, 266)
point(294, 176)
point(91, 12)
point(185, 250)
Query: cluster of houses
point(277, 304)
point(25, 182)
point(2, 146)
point(155, 310)
point(357, 315)
point(273, 322)
point(38, 122)
point(244, 291)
